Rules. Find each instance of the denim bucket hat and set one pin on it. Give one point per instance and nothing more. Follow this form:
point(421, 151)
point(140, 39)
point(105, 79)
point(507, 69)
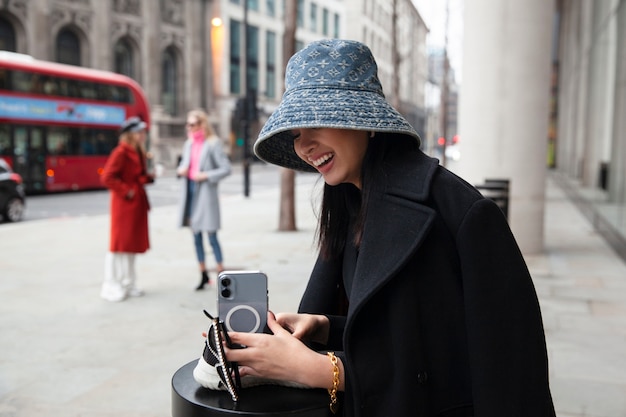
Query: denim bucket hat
point(331, 83)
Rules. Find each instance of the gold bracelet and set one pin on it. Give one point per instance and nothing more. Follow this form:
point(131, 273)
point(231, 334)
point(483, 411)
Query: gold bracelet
point(333, 391)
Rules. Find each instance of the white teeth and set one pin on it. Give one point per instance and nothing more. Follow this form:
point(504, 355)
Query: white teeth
point(319, 161)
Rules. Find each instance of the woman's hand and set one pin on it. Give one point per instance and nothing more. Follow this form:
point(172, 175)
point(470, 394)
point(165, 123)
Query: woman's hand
point(306, 327)
point(182, 172)
point(200, 176)
point(280, 356)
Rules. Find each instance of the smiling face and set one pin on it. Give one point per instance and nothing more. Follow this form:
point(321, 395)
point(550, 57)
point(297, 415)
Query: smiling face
point(336, 153)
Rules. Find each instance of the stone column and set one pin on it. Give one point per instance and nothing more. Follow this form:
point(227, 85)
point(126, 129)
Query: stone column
point(617, 172)
point(600, 94)
point(151, 51)
point(575, 41)
point(504, 105)
point(101, 49)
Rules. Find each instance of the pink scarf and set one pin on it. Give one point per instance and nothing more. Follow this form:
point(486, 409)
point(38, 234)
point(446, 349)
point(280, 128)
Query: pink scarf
point(196, 150)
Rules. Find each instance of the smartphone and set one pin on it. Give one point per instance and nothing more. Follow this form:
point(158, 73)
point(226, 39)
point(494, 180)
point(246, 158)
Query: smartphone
point(242, 301)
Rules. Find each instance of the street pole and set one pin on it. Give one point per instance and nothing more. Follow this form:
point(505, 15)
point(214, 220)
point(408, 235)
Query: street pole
point(246, 111)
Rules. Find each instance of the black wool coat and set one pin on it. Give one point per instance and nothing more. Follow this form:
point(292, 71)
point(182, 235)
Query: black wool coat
point(443, 318)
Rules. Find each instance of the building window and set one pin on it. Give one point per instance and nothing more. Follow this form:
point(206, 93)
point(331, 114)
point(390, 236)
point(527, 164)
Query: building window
point(270, 70)
point(7, 36)
point(313, 18)
point(270, 6)
point(235, 57)
point(123, 55)
point(252, 4)
point(336, 26)
point(325, 25)
point(252, 56)
point(169, 78)
point(300, 21)
point(68, 47)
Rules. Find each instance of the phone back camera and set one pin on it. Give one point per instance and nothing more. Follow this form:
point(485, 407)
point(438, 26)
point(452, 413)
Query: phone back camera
point(225, 282)
point(226, 292)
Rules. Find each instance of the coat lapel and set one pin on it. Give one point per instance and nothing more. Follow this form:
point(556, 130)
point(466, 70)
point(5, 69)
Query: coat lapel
point(396, 225)
point(205, 160)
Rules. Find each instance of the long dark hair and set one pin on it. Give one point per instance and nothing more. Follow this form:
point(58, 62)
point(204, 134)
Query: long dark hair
point(344, 206)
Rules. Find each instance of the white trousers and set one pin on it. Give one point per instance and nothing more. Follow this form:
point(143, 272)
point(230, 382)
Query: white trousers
point(119, 276)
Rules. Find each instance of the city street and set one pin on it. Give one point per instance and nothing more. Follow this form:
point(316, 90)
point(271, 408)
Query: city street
point(67, 353)
point(165, 191)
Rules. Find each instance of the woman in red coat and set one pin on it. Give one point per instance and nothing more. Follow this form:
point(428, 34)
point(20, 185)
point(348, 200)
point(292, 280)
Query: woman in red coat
point(125, 176)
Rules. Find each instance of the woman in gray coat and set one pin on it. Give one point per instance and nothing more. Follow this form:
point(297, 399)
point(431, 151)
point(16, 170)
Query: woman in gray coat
point(203, 165)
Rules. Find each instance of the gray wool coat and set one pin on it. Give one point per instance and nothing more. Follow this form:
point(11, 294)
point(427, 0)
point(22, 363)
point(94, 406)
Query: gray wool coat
point(205, 208)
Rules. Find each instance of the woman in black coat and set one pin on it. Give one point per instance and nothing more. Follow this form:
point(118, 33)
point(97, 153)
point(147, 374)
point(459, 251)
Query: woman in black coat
point(420, 303)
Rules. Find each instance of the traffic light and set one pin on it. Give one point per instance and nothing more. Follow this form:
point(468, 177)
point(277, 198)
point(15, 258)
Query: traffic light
point(245, 108)
point(253, 114)
point(239, 109)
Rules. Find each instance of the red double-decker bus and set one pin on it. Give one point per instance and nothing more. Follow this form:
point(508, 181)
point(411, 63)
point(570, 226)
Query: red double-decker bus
point(58, 123)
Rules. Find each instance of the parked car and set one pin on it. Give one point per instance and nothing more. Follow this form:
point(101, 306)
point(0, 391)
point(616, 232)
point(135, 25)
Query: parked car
point(12, 197)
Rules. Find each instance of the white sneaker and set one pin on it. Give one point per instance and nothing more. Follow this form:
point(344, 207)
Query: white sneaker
point(135, 292)
point(112, 293)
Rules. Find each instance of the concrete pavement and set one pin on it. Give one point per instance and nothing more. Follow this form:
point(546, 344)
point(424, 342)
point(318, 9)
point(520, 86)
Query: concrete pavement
point(65, 352)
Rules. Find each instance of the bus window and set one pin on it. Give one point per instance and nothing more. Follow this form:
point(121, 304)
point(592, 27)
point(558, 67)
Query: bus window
point(50, 86)
point(73, 143)
point(87, 90)
point(87, 142)
point(58, 138)
point(4, 79)
point(5, 141)
point(20, 161)
point(126, 95)
point(37, 160)
point(36, 84)
point(21, 145)
point(105, 142)
point(22, 81)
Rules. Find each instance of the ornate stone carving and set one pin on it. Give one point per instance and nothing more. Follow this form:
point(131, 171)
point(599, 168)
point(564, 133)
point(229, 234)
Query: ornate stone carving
point(120, 29)
point(127, 6)
point(16, 7)
point(60, 16)
point(172, 12)
point(172, 38)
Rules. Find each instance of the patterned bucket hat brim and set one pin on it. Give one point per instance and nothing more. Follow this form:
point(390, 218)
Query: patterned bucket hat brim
point(331, 83)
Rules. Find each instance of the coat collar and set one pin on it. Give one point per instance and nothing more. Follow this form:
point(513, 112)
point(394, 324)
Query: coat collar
point(396, 224)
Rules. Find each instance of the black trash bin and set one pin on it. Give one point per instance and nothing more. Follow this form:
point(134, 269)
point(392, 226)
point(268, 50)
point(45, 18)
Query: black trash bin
point(603, 178)
point(498, 191)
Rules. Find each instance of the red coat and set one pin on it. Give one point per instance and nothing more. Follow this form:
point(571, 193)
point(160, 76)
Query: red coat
point(125, 171)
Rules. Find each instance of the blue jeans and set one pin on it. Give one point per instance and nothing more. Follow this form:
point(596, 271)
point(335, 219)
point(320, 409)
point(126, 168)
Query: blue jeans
point(215, 245)
point(197, 237)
